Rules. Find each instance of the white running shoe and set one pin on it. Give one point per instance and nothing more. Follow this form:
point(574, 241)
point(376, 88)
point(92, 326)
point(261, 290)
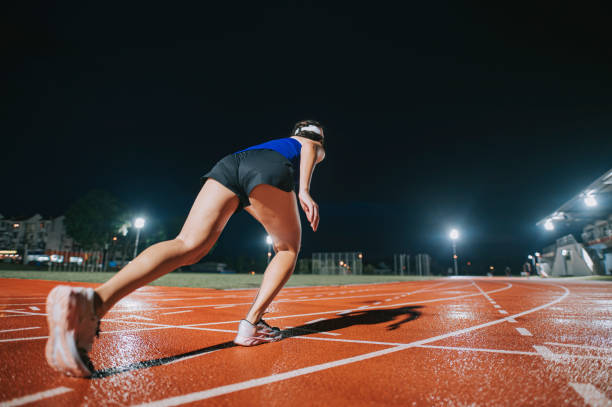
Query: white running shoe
point(73, 324)
point(251, 335)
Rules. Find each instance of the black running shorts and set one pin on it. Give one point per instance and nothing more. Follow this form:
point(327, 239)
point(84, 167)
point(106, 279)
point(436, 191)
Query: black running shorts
point(241, 172)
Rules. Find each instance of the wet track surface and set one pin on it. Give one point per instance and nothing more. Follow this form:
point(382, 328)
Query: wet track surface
point(451, 342)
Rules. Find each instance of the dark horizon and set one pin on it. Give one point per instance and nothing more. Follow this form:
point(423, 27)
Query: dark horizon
point(481, 117)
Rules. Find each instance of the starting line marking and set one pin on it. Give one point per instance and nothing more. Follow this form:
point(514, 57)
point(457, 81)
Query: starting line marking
point(591, 395)
point(35, 397)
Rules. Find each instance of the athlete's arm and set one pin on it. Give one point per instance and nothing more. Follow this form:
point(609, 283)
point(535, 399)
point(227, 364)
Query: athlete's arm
point(312, 153)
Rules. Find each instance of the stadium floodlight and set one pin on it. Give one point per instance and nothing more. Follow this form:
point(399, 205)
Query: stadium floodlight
point(454, 234)
point(138, 224)
point(549, 225)
point(269, 239)
point(590, 201)
point(530, 257)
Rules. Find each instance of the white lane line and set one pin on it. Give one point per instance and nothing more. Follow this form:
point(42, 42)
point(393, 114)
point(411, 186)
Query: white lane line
point(231, 388)
point(34, 308)
point(224, 306)
point(510, 352)
point(315, 320)
point(348, 311)
point(482, 292)
point(388, 299)
point(524, 332)
point(512, 320)
point(497, 306)
point(548, 354)
point(23, 313)
point(501, 311)
point(364, 307)
point(137, 317)
point(377, 303)
point(35, 397)
point(590, 394)
point(16, 305)
point(19, 329)
point(579, 346)
point(176, 312)
point(24, 339)
point(191, 357)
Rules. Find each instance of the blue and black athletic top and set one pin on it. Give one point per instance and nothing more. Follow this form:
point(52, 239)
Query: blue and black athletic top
point(289, 147)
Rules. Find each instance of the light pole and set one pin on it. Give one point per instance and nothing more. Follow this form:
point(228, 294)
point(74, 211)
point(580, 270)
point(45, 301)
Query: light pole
point(454, 235)
point(138, 224)
point(269, 242)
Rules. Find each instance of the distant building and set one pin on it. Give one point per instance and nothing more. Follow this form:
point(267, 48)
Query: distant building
point(34, 234)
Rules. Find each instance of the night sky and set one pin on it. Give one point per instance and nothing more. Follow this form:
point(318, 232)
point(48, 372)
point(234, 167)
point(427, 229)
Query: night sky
point(437, 114)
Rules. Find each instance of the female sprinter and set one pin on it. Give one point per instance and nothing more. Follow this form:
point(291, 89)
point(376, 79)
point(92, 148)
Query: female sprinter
point(259, 179)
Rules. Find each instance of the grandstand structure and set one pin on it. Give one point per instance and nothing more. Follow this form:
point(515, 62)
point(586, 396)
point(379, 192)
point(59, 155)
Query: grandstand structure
point(329, 263)
point(590, 210)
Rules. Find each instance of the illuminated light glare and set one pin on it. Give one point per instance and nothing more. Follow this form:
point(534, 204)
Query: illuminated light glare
point(537, 254)
point(590, 201)
point(454, 234)
point(491, 268)
point(548, 225)
point(139, 223)
point(360, 256)
point(564, 252)
point(530, 257)
point(269, 239)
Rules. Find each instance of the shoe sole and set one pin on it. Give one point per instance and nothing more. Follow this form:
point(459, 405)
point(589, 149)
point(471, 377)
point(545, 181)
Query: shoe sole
point(61, 350)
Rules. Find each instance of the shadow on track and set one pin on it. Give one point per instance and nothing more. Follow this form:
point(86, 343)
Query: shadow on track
point(358, 317)
point(101, 374)
point(397, 316)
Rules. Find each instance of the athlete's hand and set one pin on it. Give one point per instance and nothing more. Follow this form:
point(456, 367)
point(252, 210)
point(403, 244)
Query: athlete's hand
point(311, 209)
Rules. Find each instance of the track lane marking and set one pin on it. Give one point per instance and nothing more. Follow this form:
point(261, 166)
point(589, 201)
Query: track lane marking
point(35, 397)
point(282, 300)
point(19, 329)
point(570, 345)
point(231, 388)
point(591, 395)
point(524, 332)
point(176, 312)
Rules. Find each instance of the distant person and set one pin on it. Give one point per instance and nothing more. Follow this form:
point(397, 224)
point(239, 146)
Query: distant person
point(526, 269)
point(508, 271)
point(260, 180)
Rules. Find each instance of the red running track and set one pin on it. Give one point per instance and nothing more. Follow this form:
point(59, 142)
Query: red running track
point(450, 342)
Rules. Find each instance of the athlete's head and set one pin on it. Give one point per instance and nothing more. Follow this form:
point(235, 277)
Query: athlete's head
point(309, 129)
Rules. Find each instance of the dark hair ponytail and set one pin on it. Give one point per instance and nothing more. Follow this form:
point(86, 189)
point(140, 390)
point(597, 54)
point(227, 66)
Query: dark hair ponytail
point(307, 133)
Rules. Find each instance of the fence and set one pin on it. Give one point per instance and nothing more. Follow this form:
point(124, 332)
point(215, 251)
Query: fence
point(337, 263)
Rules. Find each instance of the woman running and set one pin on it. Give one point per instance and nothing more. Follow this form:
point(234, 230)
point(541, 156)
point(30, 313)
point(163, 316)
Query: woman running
point(260, 180)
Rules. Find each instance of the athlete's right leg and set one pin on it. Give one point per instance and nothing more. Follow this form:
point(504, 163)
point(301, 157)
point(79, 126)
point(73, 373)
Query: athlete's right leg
point(277, 211)
point(73, 312)
point(209, 214)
